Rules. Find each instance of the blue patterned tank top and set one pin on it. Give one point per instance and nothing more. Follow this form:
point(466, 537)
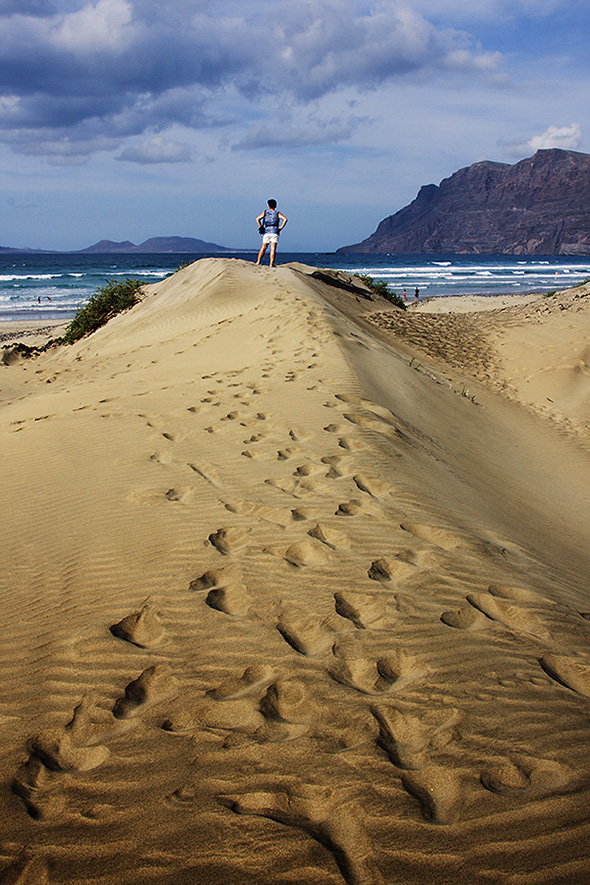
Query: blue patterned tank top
point(271, 221)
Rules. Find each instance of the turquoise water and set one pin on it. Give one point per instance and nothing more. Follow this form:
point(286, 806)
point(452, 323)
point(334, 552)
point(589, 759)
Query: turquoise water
point(45, 286)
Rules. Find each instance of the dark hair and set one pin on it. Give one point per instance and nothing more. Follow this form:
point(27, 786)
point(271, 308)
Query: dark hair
point(272, 204)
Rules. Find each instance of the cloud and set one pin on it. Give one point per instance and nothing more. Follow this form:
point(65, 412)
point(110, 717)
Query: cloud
point(156, 150)
point(565, 137)
point(104, 27)
point(112, 69)
point(312, 132)
point(326, 46)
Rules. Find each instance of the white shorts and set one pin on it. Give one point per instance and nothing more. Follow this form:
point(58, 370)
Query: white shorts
point(270, 238)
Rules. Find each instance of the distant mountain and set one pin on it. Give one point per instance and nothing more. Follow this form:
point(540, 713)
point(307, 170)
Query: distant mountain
point(538, 206)
point(11, 249)
point(157, 244)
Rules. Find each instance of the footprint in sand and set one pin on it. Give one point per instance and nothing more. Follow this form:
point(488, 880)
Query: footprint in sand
point(307, 553)
point(505, 778)
point(281, 711)
point(465, 618)
point(251, 508)
point(287, 453)
point(439, 536)
point(58, 752)
point(235, 716)
point(38, 782)
point(438, 791)
point(207, 472)
point(352, 444)
point(91, 724)
point(162, 458)
point(327, 816)
point(518, 594)
point(216, 577)
point(252, 679)
point(350, 508)
point(227, 592)
point(300, 514)
point(181, 495)
point(330, 537)
point(339, 466)
point(528, 775)
point(40, 789)
point(308, 469)
point(513, 617)
point(389, 567)
point(153, 685)
point(231, 598)
point(25, 870)
point(407, 739)
point(362, 609)
point(572, 672)
point(287, 701)
point(308, 485)
point(366, 421)
point(229, 540)
point(390, 672)
point(77, 746)
point(255, 438)
point(306, 635)
point(372, 485)
point(350, 398)
point(404, 737)
point(142, 628)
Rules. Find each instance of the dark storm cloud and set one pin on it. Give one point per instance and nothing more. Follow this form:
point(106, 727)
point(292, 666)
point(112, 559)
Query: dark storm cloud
point(113, 68)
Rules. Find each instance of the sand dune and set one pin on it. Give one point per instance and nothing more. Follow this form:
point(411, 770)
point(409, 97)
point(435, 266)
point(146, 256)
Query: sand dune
point(285, 602)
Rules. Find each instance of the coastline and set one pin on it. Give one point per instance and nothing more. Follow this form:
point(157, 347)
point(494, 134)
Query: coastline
point(43, 329)
point(34, 331)
point(471, 303)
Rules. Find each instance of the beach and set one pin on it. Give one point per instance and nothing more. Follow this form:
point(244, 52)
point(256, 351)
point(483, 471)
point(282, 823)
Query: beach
point(295, 589)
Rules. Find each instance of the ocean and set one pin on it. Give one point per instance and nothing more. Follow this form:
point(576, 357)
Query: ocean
point(47, 285)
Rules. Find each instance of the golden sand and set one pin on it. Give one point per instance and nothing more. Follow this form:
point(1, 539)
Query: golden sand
point(291, 596)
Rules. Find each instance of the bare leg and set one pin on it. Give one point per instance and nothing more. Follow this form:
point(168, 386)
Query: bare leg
point(273, 251)
point(261, 253)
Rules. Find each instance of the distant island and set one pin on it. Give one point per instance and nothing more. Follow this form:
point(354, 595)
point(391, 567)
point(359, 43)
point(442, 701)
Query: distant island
point(154, 244)
point(157, 244)
point(538, 206)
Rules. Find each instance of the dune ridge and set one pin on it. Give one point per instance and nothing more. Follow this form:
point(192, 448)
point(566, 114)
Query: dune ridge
point(280, 607)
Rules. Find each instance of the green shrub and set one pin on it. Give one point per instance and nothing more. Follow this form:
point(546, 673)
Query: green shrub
point(380, 288)
point(103, 306)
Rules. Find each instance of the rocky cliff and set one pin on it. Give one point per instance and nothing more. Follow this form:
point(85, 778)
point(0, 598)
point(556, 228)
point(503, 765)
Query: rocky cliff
point(538, 206)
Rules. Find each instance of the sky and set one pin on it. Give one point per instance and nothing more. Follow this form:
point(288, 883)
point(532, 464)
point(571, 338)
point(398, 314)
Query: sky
point(128, 119)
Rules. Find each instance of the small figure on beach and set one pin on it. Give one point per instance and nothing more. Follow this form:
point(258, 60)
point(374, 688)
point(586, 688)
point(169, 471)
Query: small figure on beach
point(405, 296)
point(270, 224)
point(417, 294)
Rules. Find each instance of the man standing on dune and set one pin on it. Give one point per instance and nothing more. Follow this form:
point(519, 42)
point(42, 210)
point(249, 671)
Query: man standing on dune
point(270, 224)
